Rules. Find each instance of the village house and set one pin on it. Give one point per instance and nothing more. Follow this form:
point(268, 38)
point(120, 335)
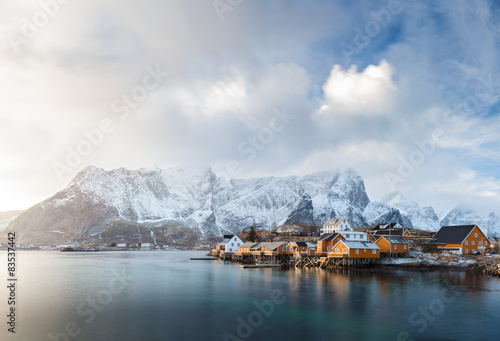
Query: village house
point(297, 247)
point(463, 239)
point(266, 248)
point(335, 225)
point(393, 244)
point(326, 243)
point(232, 243)
point(121, 245)
point(311, 249)
point(355, 249)
point(244, 248)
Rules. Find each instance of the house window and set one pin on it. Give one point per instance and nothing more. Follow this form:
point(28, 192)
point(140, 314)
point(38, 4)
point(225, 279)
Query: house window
point(466, 242)
point(395, 246)
point(485, 243)
point(466, 250)
point(283, 249)
point(404, 246)
point(475, 235)
point(479, 243)
point(345, 251)
point(357, 251)
point(328, 249)
point(473, 250)
point(238, 244)
point(336, 250)
point(472, 243)
point(232, 244)
point(374, 251)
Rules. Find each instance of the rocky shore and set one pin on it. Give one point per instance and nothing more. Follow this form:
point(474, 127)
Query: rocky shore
point(489, 265)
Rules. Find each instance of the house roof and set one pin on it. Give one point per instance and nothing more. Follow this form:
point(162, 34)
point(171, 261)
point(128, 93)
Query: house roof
point(351, 234)
point(228, 236)
point(359, 245)
point(300, 243)
point(335, 221)
point(312, 245)
point(395, 239)
point(452, 234)
point(248, 244)
point(328, 237)
point(387, 232)
point(268, 246)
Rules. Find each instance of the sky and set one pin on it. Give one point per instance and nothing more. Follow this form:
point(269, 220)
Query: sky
point(405, 93)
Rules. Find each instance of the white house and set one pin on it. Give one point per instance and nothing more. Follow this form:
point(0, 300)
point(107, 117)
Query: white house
point(335, 225)
point(232, 243)
point(121, 245)
point(143, 245)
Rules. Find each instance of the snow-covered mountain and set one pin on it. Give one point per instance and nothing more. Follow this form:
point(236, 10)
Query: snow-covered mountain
point(461, 215)
point(181, 207)
point(413, 214)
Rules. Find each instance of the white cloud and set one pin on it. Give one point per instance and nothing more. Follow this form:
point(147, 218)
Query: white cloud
point(363, 93)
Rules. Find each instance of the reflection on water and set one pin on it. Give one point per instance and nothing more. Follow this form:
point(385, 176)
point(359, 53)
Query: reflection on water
point(165, 296)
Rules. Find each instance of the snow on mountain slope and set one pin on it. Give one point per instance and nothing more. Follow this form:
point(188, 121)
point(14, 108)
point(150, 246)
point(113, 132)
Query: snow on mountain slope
point(379, 213)
point(346, 198)
point(413, 214)
point(122, 203)
point(461, 215)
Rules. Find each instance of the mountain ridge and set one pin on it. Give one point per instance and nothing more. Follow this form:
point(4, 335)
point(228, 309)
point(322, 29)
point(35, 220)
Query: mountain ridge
point(123, 204)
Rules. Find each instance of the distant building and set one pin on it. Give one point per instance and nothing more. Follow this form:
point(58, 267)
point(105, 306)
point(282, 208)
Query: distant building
point(144, 245)
point(335, 225)
point(290, 230)
point(464, 239)
point(121, 245)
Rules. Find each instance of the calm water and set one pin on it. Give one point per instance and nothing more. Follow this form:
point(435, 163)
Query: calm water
point(165, 296)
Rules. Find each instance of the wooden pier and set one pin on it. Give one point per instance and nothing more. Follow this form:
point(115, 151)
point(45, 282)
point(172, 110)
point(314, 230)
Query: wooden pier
point(261, 260)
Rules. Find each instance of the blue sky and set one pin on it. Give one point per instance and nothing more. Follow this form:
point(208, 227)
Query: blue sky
point(417, 70)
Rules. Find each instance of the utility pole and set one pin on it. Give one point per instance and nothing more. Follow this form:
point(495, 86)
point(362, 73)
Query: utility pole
point(390, 241)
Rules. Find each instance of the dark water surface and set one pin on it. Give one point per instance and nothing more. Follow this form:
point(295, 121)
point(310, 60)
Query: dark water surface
point(165, 296)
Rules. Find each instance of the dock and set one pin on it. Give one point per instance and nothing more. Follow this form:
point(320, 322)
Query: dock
point(205, 258)
point(248, 266)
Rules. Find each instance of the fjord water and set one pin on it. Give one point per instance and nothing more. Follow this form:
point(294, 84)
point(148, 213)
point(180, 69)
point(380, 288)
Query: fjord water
point(165, 296)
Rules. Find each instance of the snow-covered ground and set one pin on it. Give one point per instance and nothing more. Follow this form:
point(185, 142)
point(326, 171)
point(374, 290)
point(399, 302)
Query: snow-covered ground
point(418, 258)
